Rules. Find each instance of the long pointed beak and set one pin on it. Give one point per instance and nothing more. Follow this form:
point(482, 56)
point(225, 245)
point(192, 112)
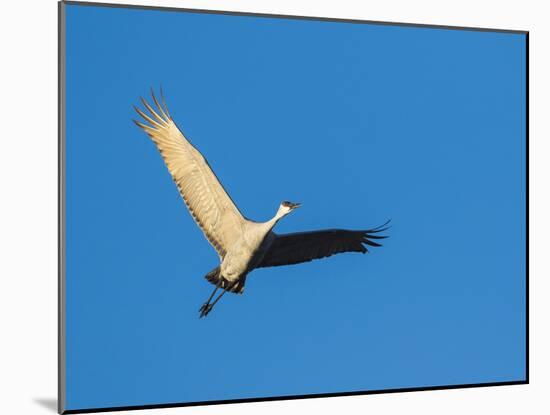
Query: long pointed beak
point(296, 205)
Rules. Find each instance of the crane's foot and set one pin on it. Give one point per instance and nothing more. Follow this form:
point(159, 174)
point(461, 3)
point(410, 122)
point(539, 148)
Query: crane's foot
point(205, 309)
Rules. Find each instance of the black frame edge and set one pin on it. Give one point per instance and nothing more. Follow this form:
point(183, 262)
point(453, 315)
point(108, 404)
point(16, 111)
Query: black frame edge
point(292, 397)
point(527, 361)
point(61, 349)
point(290, 16)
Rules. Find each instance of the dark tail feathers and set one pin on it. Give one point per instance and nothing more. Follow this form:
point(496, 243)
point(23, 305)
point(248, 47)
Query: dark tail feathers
point(214, 277)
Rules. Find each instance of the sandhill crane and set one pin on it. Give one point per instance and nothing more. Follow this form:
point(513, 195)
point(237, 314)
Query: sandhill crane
point(241, 244)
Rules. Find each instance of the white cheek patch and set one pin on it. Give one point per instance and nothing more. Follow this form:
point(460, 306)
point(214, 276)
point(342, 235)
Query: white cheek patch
point(283, 210)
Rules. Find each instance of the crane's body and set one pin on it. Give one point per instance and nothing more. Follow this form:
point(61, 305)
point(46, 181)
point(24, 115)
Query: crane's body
point(248, 251)
point(245, 254)
point(242, 245)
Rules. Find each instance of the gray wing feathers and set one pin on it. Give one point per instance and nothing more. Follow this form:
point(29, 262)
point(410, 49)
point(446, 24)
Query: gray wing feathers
point(294, 248)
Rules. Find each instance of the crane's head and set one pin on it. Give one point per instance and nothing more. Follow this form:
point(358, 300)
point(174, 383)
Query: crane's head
point(286, 207)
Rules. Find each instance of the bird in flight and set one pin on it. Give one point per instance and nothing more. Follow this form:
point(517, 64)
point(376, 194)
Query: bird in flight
point(242, 244)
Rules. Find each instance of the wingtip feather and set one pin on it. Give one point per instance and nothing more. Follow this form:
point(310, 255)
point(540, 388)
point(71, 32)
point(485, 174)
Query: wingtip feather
point(163, 101)
point(158, 105)
point(152, 111)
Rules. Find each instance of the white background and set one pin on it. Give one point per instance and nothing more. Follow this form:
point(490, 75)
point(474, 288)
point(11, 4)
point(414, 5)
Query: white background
point(28, 204)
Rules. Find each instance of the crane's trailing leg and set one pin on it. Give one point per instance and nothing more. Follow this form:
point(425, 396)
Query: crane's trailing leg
point(207, 307)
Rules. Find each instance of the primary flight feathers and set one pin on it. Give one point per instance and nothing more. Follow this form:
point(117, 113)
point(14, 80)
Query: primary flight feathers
point(205, 197)
point(242, 244)
point(294, 248)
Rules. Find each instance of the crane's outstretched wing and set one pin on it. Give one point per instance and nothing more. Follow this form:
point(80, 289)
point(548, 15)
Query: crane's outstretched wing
point(209, 204)
point(294, 248)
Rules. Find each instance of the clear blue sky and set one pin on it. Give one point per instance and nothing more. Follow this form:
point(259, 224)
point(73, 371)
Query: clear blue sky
point(360, 123)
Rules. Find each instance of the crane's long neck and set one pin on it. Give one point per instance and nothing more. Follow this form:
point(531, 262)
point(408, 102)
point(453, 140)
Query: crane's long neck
point(282, 212)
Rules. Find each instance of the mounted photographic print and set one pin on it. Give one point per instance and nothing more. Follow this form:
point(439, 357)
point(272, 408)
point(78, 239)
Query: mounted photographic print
point(258, 207)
